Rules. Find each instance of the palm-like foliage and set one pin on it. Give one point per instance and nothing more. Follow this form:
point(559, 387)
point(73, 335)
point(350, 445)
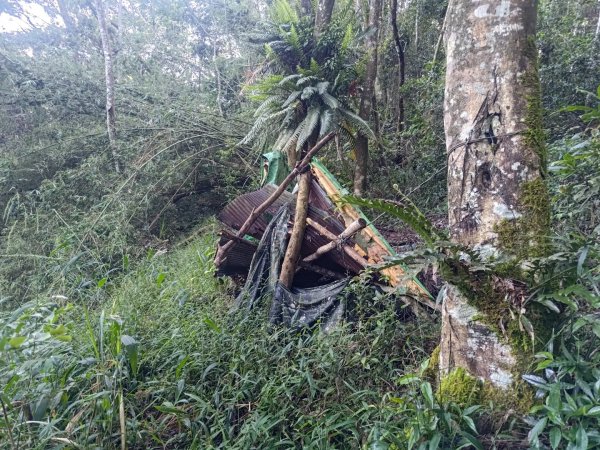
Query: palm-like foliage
point(306, 91)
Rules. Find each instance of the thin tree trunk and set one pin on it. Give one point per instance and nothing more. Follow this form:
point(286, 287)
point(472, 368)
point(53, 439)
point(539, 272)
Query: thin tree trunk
point(497, 198)
point(366, 102)
point(417, 26)
point(292, 253)
point(597, 33)
point(218, 77)
point(401, 63)
point(109, 76)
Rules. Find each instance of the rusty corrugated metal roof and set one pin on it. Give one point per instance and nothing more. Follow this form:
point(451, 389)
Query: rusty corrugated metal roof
point(236, 213)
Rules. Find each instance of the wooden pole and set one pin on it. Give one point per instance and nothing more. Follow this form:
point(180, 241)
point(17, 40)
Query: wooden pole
point(292, 254)
point(301, 166)
point(353, 254)
point(352, 229)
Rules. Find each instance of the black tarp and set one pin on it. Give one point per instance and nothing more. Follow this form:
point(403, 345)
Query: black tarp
point(296, 307)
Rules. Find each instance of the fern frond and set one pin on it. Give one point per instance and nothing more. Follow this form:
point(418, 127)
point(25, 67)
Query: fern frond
point(358, 122)
point(308, 92)
point(326, 120)
point(266, 105)
point(330, 100)
point(306, 79)
point(282, 12)
point(289, 78)
point(408, 213)
point(310, 123)
point(292, 97)
point(322, 87)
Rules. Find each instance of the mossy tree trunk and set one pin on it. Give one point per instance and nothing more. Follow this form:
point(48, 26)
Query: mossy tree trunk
point(497, 199)
point(366, 102)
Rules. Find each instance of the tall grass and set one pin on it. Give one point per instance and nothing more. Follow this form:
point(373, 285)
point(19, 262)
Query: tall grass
point(158, 361)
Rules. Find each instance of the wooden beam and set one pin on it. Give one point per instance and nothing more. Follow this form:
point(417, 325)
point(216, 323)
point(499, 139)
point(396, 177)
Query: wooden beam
point(300, 167)
point(292, 253)
point(352, 229)
point(353, 254)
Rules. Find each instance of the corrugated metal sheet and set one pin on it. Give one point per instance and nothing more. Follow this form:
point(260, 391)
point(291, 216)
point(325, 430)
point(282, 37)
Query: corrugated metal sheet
point(238, 258)
point(236, 213)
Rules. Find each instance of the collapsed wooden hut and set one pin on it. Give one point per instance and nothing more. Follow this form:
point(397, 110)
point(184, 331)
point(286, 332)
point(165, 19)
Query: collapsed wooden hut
point(338, 243)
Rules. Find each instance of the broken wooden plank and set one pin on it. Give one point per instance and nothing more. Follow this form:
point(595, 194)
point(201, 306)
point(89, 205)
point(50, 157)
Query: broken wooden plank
point(372, 245)
point(349, 251)
point(352, 229)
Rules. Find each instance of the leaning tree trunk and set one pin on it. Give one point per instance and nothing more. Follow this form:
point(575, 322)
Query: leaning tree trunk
point(366, 101)
point(497, 198)
point(109, 76)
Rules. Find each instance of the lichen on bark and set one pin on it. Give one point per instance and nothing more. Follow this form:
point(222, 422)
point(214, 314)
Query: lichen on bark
point(498, 201)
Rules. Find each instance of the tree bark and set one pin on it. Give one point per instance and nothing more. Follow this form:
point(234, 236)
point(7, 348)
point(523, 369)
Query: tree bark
point(323, 15)
point(111, 124)
point(401, 62)
point(366, 102)
point(292, 253)
point(496, 162)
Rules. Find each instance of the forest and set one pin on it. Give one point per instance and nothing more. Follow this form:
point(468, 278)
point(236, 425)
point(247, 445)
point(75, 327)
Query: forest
point(300, 224)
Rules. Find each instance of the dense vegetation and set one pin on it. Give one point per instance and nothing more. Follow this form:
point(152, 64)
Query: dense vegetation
point(114, 331)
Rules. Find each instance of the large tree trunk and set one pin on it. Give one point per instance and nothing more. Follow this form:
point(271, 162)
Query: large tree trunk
point(323, 15)
point(109, 75)
point(366, 101)
point(497, 199)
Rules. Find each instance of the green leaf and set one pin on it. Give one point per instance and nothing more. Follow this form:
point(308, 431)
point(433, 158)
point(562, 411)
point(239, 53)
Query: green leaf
point(581, 439)
point(594, 411)
point(427, 394)
point(102, 282)
point(131, 347)
point(581, 260)
point(555, 437)
point(435, 441)
point(407, 379)
point(16, 341)
point(406, 211)
point(533, 434)
point(211, 324)
point(472, 440)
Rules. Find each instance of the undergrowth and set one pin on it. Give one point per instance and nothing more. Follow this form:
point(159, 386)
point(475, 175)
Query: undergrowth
point(161, 363)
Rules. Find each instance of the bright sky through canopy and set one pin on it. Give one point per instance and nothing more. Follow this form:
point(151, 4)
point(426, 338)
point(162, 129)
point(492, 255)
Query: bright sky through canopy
point(36, 15)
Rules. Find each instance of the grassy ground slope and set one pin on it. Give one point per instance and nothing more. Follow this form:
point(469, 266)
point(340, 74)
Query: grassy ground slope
point(156, 358)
